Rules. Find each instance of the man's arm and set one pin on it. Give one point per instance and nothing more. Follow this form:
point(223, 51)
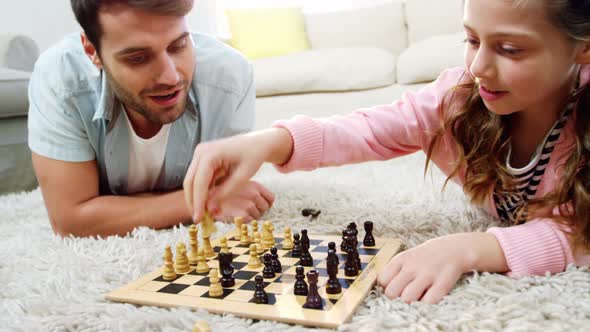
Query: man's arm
point(71, 194)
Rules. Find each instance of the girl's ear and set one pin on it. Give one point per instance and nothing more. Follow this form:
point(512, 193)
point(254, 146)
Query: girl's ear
point(583, 56)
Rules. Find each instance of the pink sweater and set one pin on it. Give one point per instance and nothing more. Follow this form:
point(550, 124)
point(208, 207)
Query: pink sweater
point(408, 125)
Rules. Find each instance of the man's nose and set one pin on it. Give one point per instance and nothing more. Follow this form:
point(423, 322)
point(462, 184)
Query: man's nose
point(168, 73)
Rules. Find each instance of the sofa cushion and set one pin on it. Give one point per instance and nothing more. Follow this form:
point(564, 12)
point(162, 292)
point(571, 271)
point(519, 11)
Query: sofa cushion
point(335, 69)
point(267, 32)
point(13, 92)
point(425, 60)
point(380, 26)
point(427, 18)
point(18, 52)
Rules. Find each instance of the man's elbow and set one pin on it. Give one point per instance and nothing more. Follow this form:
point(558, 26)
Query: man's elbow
point(66, 225)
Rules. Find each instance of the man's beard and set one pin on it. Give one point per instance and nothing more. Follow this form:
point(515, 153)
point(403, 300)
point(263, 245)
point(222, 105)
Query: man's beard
point(137, 104)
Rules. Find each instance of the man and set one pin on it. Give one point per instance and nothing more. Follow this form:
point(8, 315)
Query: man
point(117, 111)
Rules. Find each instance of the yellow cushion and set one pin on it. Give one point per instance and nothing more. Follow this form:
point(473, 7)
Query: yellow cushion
point(259, 33)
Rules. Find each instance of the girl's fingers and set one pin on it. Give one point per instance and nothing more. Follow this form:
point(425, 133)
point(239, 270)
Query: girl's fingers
point(201, 182)
point(440, 287)
point(187, 184)
point(415, 289)
point(391, 270)
point(398, 284)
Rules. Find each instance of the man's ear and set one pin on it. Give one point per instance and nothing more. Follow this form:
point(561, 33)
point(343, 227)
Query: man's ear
point(583, 56)
point(90, 50)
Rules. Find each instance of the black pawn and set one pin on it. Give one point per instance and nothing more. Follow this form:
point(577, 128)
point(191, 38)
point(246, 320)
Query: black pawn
point(274, 262)
point(296, 251)
point(300, 285)
point(354, 231)
point(268, 271)
point(333, 286)
point(304, 239)
point(260, 295)
point(369, 240)
point(343, 243)
point(226, 270)
point(306, 259)
point(351, 267)
point(313, 300)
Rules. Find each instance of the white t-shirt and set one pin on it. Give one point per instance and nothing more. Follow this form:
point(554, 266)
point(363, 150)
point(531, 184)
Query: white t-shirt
point(146, 158)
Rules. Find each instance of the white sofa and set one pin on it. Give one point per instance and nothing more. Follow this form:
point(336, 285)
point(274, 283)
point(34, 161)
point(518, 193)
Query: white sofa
point(360, 57)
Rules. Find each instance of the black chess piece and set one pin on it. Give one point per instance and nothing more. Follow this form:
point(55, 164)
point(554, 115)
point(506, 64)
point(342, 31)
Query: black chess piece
point(226, 269)
point(306, 259)
point(310, 212)
point(343, 243)
point(355, 232)
point(333, 285)
point(260, 295)
point(313, 300)
point(351, 267)
point(274, 262)
point(304, 239)
point(268, 271)
point(300, 287)
point(369, 240)
point(296, 251)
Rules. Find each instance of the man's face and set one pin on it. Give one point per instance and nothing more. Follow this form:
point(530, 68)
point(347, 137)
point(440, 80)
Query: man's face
point(149, 61)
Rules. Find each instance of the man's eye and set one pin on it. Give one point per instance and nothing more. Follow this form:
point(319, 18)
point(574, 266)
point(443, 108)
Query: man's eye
point(136, 60)
point(179, 45)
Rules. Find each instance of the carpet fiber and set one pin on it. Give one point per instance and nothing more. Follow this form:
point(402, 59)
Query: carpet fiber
point(54, 284)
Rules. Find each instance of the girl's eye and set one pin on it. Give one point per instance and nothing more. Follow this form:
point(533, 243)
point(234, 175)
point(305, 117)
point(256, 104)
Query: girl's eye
point(471, 41)
point(510, 50)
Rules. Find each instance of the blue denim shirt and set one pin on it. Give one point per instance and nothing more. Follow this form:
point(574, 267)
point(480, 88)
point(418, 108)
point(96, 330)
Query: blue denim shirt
point(74, 115)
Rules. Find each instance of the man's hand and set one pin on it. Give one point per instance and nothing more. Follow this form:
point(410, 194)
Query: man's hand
point(429, 271)
point(250, 202)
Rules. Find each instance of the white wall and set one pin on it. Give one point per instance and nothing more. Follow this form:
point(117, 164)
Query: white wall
point(46, 21)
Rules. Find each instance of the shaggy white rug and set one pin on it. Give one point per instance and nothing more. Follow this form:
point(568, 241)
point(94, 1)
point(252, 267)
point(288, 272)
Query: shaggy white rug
point(53, 284)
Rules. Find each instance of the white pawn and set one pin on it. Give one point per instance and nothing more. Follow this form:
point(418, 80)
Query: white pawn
point(245, 239)
point(207, 248)
point(215, 289)
point(223, 245)
point(254, 261)
point(169, 273)
point(181, 265)
point(238, 221)
point(288, 241)
point(202, 266)
point(259, 249)
point(254, 224)
point(194, 243)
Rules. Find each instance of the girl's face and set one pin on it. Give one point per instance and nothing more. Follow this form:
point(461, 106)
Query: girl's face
point(520, 60)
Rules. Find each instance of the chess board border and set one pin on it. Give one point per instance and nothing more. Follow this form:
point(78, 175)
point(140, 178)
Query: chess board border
point(289, 312)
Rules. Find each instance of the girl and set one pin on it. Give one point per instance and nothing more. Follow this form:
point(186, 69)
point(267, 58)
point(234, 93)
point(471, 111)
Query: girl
point(512, 127)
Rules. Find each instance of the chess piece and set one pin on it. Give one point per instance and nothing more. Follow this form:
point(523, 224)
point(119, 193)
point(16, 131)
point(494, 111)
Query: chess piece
point(304, 239)
point(244, 239)
point(343, 243)
point(369, 240)
point(215, 289)
point(333, 286)
point(259, 249)
point(194, 243)
point(254, 261)
point(207, 248)
point(169, 273)
point(254, 224)
point(201, 326)
point(260, 295)
point(223, 245)
point(268, 239)
point(268, 271)
point(181, 263)
point(207, 226)
point(202, 266)
point(238, 221)
point(313, 213)
point(300, 287)
point(351, 266)
point(275, 263)
point(354, 233)
point(306, 259)
point(313, 300)
point(296, 251)
point(226, 269)
point(288, 241)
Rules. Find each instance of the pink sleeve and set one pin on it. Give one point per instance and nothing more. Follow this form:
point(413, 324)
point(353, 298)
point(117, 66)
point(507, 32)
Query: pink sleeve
point(536, 247)
point(377, 133)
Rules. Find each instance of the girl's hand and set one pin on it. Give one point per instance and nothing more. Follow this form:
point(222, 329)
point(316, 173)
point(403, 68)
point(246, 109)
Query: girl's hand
point(250, 202)
point(429, 271)
point(221, 168)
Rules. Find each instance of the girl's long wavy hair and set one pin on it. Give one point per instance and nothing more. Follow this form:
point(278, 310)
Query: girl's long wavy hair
point(483, 140)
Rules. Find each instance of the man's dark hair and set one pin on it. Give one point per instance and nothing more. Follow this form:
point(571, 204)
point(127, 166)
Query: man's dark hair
point(86, 12)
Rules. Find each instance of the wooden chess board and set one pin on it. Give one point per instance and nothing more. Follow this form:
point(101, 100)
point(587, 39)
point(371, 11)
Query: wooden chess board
point(192, 289)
